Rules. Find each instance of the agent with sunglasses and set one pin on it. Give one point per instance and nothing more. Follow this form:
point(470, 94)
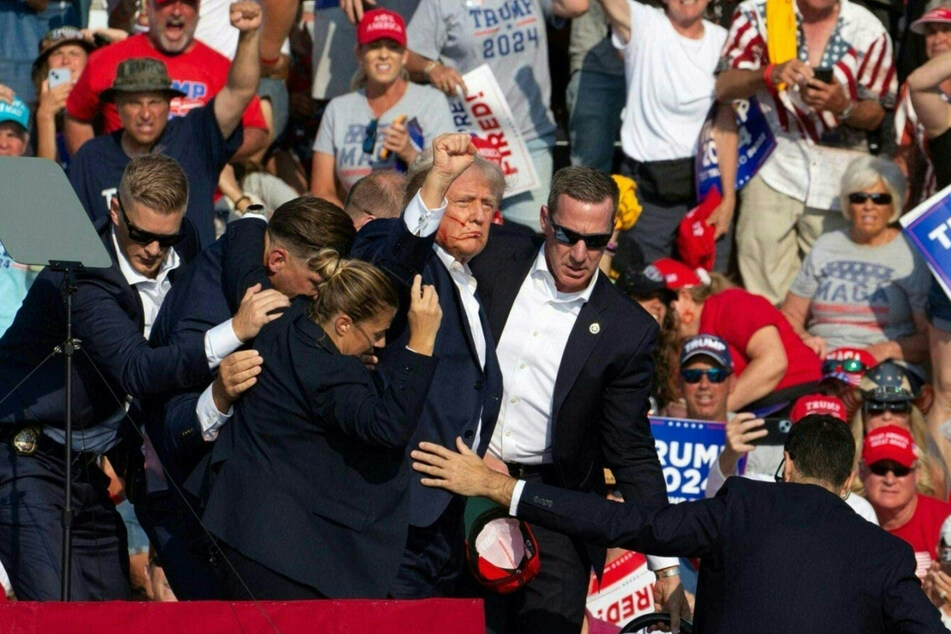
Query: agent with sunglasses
point(887, 399)
point(576, 363)
point(864, 286)
point(114, 310)
point(890, 470)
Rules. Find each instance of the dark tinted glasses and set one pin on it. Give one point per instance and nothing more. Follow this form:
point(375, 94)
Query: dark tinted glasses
point(714, 375)
point(140, 236)
point(880, 407)
point(569, 237)
point(882, 468)
point(857, 198)
point(848, 365)
point(369, 136)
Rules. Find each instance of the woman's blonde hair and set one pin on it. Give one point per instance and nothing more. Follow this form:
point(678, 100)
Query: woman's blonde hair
point(866, 171)
point(931, 476)
point(717, 284)
point(351, 287)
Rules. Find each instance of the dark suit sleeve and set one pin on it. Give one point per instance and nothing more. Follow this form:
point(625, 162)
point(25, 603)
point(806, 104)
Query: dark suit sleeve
point(116, 345)
point(388, 244)
point(241, 260)
point(905, 607)
point(627, 442)
point(358, 410)
point(688, 529)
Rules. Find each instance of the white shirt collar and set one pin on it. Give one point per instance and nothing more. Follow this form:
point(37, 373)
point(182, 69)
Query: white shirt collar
point(132, 276)
point(449, 260)
point(540, 272)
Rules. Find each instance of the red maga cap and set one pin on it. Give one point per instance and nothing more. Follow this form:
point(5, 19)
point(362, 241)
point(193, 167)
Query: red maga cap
point(380, 24)
point(890, 442)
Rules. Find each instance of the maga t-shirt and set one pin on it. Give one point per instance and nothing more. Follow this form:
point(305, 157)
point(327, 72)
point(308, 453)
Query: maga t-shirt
point(195, 141)
point(508, 35)
point(923, 531)
point(199, 72)
point(343, 129)
point(735, 315)
point(862, 295)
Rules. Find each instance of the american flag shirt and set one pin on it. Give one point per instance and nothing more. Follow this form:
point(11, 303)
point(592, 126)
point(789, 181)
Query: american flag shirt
point(910, 133)
point(860, 54)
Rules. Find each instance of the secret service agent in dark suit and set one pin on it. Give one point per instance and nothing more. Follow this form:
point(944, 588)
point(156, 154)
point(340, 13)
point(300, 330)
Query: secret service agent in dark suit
point(589, 403)
point(312, 499)
point(464, 399)
point(114, 360)
point(785, 558)
point(184, 434)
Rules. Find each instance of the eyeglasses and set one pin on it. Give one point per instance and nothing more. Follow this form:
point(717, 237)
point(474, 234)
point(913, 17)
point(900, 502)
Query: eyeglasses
point(143, 237)
point(857, 198)
point(882, 468)
point(851, 366)
point(880, 407)
point(369, 136)
point(714, 375)
point(778, 476)
point(592, 241)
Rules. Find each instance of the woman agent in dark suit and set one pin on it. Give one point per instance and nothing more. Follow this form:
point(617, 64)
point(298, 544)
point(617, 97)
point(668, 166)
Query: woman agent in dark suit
point(311, 500)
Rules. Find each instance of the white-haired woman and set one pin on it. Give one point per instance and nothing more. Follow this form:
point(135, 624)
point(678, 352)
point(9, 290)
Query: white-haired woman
point(864, 286)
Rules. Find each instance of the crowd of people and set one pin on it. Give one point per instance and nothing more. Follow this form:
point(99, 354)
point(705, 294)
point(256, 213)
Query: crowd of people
point(314, 271)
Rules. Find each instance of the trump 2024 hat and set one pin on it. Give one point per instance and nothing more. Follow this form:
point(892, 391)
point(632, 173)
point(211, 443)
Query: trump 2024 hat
point(501, 550)
point(707, 346)
point(890, 442)
point(380, 24)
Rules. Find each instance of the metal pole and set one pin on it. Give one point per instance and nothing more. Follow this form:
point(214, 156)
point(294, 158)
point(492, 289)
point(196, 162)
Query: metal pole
point(68, 349)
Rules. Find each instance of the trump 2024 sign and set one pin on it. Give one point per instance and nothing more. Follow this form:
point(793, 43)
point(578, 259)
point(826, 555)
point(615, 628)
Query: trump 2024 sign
point(928, 227)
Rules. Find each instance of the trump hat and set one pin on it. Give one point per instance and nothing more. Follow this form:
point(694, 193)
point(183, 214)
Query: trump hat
point(707, 346)
point(501, 550)
point(847, 365)
point(380, 24)
point(941, 15)
point(818, 404)
point(890, 442)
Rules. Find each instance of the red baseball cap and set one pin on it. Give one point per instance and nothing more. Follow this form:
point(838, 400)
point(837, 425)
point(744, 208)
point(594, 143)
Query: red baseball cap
point(890, 442)
point(502, 551)
point(676, 275)
point(841, 364)
point(818, 404)
point(380, 24)
point(941, 14)
point(695, 238)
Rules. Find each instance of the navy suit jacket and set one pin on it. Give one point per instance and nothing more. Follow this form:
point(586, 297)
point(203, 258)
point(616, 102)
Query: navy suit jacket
point(108, 320)
point(775, 557)
point(601, 394)
point(461, 392)
point(314, 482)
point(195, 304)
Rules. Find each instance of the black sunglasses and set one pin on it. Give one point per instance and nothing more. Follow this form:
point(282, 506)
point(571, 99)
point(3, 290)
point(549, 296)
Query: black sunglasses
point(880, 407)
point(882, 468)
point(569, 237)
point(369, 136)
point(848, 365)
point(857, 198)
point(140, 236)
point(714, 375)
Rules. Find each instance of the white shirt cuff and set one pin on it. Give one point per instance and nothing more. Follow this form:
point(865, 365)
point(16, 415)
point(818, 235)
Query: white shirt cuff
point(209, 418)
point(715, 479)
point(420, 220)
point(659, 563)
point(220, 341)
point(516, 496)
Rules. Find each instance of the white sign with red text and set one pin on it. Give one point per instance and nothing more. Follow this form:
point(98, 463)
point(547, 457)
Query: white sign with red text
point(484, 113)
point(626, 591)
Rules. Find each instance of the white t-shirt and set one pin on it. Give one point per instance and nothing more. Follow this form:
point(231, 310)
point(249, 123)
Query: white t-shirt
point(670, 84)
point(214, 28)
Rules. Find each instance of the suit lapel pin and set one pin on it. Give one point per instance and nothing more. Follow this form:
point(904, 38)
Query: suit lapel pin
point(594, 328)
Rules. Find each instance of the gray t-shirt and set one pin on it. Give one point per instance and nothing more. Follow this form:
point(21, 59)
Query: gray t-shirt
point(508, 35)
point(590, 47)
point(344, 125)
point(862, 295)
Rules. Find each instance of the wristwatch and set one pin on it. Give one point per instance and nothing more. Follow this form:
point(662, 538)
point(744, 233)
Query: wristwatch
point(845, 114)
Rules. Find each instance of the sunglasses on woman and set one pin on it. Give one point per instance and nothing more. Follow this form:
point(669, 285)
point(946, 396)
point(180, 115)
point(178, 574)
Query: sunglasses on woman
point(882, 468)
point(851, 366)
point(857, 198)
point(695, 375)
point(143, 237)
point(592, 241)
point(880, 407)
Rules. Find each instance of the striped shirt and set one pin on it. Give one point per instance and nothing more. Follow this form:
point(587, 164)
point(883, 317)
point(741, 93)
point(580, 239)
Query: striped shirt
point(910, 133)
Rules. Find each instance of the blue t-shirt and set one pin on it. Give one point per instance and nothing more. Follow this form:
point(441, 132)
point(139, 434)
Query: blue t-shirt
point(195, 141)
